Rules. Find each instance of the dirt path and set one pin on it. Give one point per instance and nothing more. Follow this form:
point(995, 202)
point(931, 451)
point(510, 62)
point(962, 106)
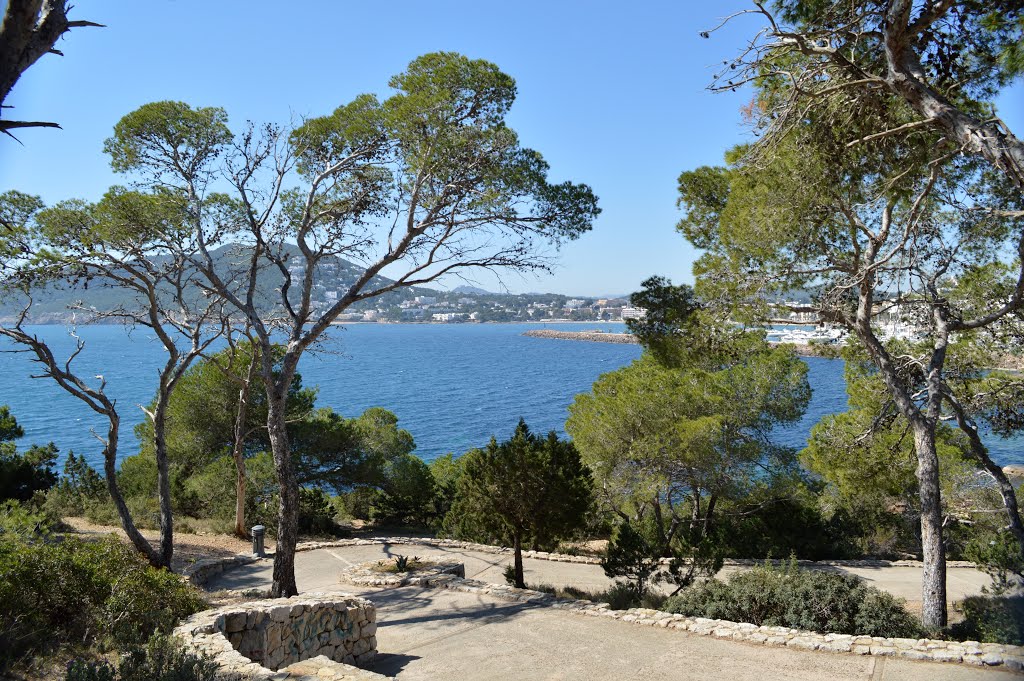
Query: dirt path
point(188, 548)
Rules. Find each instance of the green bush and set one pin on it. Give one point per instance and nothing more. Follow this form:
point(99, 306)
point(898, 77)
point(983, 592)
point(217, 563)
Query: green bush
point(825, 602)
point(22, 474)
point(25, 521)
point(316, 514)
point(407, 493)
point(994, 619)
point(162, 659)
point(83, 592)
point(79, 484)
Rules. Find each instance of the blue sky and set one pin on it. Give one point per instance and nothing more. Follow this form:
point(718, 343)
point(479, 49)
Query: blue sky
point(612, 94)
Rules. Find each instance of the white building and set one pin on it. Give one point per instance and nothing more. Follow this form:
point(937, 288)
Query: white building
point(574, 304)
point(426, 300)
point(633, 313)
point(448, 316)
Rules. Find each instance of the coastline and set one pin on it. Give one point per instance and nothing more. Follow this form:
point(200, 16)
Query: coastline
point(1007, 363)
point(626, 338)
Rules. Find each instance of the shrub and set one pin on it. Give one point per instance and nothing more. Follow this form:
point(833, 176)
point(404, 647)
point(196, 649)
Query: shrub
point(825, 602)
point(25, 521)
point(316, 514)
point(162, 659)
point(620, 596)
point(22, 474)
point(78, 484)
point(407, 493)
point(83, 592)
point(994, 619)
point(631, 555)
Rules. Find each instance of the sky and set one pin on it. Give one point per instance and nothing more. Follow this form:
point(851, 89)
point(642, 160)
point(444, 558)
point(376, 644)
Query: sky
point(612, 94)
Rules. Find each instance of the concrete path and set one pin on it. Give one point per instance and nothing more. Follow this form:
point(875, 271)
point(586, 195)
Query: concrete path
point(437, 634)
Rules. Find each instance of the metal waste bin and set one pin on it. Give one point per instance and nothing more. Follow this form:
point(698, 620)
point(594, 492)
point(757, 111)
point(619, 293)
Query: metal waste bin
point(257, 540)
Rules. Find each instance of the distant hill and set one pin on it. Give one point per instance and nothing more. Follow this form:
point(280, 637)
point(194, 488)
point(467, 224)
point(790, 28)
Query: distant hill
point(472, 290)
point(334, 276)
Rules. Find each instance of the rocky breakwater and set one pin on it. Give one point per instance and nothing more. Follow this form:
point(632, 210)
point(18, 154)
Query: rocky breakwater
point(591, 336)
point(317, 636)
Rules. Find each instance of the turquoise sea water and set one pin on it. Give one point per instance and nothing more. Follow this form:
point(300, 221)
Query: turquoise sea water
point(452, 386)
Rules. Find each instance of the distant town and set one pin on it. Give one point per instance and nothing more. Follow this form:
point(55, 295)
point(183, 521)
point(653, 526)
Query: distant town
point(456, 307)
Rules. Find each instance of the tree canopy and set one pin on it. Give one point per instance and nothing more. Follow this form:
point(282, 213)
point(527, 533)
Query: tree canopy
point(670, 444)
point(527, 489)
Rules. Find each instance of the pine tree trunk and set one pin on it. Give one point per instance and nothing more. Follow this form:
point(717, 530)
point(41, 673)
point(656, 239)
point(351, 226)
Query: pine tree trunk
point(240, 529)
point(288, 508)
point(238, 452)
point(933, 583)
point(518, 561)
point(163, 480)
point(110, 471)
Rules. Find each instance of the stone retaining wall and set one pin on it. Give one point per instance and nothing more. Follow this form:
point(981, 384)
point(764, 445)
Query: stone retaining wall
point(316, 636)
point(201, 571)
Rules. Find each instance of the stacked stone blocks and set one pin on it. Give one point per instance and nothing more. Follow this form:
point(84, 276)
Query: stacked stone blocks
point(326, 633)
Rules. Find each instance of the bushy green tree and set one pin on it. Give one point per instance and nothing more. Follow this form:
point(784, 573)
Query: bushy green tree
point(527, 489)
point(427, 183)
point(866, 457)
point(219, 406)
point(882, 185)
point(669, 445)
point(22, 474)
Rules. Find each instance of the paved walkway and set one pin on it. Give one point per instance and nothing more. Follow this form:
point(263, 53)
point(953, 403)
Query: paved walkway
point(437, 634)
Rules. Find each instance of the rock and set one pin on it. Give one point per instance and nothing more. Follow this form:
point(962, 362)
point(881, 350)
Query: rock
point(234, 621)
point(1014, 471)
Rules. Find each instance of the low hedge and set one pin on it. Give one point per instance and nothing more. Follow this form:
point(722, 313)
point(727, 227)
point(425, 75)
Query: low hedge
point(826, 602)
point(996, 619)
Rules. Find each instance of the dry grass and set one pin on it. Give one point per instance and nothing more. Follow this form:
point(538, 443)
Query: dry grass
point(188, 548)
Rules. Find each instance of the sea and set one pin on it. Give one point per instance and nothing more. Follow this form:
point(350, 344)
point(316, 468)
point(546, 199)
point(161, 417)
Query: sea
point(452, 386)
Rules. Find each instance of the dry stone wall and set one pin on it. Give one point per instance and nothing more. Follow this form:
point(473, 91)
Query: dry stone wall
point(317, 636)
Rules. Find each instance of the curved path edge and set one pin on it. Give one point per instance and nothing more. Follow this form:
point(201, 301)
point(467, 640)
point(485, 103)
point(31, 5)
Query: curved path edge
point(932, 650)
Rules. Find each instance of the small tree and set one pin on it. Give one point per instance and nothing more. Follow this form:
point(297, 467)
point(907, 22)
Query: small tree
point(630, 555)
point(218, 404)
point(527, 489)
point(22, 474)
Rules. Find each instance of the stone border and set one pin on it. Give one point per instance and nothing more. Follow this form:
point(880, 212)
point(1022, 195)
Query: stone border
point(967, 652)
point(318, 637)
point(592, 560)
point(201, 571)
point(930, 650)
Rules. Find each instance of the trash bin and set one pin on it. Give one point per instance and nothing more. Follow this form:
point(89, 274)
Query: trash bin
point(257, 540)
